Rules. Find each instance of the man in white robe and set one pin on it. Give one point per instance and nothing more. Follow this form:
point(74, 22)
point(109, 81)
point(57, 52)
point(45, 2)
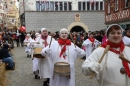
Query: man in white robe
point(28, 39)
point(44, 63)
point(34, 59)
point(69, 56)
point(112, 71)
point(90, 44)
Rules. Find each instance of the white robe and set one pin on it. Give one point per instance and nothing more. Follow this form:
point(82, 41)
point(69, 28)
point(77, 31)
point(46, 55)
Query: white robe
point(34, 59)
point(110, 75)
point(70, 58)
point(89, 48)
point(126, 40)
point(27, 49)
point(43, 63)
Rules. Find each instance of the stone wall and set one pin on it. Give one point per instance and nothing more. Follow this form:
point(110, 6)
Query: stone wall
point(55, 20)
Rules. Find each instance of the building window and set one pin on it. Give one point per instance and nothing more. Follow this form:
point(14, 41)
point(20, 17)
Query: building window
point(56, 5)
point(88, 7)
point(127, 3)
point(70, 6)
point(79, 5)
point(92, 6)
point(61, 5)
point(108, 8)
point(38, 5)
point(84, 5)
point(47, 5)
point(51, 5)
point(65, 5)
point(97, 5)
point(116, 5)
point(101, 5)
point(43, 5)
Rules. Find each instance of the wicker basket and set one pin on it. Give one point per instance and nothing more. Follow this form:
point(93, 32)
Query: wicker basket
point(2, 74)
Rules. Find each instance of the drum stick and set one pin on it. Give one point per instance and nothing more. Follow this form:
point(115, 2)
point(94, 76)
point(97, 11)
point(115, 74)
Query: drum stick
point(50, 42)
point(105, 51)
point(125, 59)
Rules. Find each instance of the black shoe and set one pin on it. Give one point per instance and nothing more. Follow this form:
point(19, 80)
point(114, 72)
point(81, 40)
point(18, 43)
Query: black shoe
point(30, 56)
point(37, 77)
point(34, 72)
point(14, 65)
point(9, 68)
point(45, 83)
point(27, 55)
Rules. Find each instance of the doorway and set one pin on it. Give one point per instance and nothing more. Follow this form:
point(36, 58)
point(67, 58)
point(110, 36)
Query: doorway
point(77, 29)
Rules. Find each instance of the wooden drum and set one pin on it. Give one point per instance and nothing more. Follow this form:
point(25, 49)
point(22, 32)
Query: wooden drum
point(37, 53)
point(25, 43)
point(62, 68)
point(128, 45)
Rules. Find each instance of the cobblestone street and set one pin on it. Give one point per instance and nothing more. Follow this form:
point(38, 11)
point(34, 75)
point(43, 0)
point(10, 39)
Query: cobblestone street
point(23, 75)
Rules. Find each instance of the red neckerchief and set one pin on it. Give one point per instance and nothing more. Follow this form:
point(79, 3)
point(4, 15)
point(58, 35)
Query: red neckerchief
point(121, 46)
point(27, 38)
point(92, 40)
point(64, 42)
point(45, 39)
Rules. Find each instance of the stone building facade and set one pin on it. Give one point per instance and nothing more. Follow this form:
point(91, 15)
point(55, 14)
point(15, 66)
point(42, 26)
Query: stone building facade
point(90, 20)
point(57, 14)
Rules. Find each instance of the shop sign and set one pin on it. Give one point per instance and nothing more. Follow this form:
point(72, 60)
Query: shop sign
point(123, 14)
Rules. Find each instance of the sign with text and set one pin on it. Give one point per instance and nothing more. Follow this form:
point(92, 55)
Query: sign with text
point(118, 16)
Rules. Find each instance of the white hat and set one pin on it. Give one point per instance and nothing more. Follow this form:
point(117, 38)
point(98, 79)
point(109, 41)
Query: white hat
point(90, 33)
point(28, 34)
point(113, 25)
point(43, 29)
point(64, 29)
point(36, 33)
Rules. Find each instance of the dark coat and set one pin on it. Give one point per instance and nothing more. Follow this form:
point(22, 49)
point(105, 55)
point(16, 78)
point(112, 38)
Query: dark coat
point(4, 52)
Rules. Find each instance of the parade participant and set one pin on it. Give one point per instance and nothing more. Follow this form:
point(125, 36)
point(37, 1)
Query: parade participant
point(112, 71)
point(17, 36)
point(63, 50)
point(44, 63)
point(27, 40)
point(35, 60)
point(126, 38)
point(91, 43)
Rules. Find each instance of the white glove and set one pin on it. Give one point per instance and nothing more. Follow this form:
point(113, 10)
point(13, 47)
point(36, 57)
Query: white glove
point(31, 45)
point(48, 50)
point(77, 50)
point(95, 67)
